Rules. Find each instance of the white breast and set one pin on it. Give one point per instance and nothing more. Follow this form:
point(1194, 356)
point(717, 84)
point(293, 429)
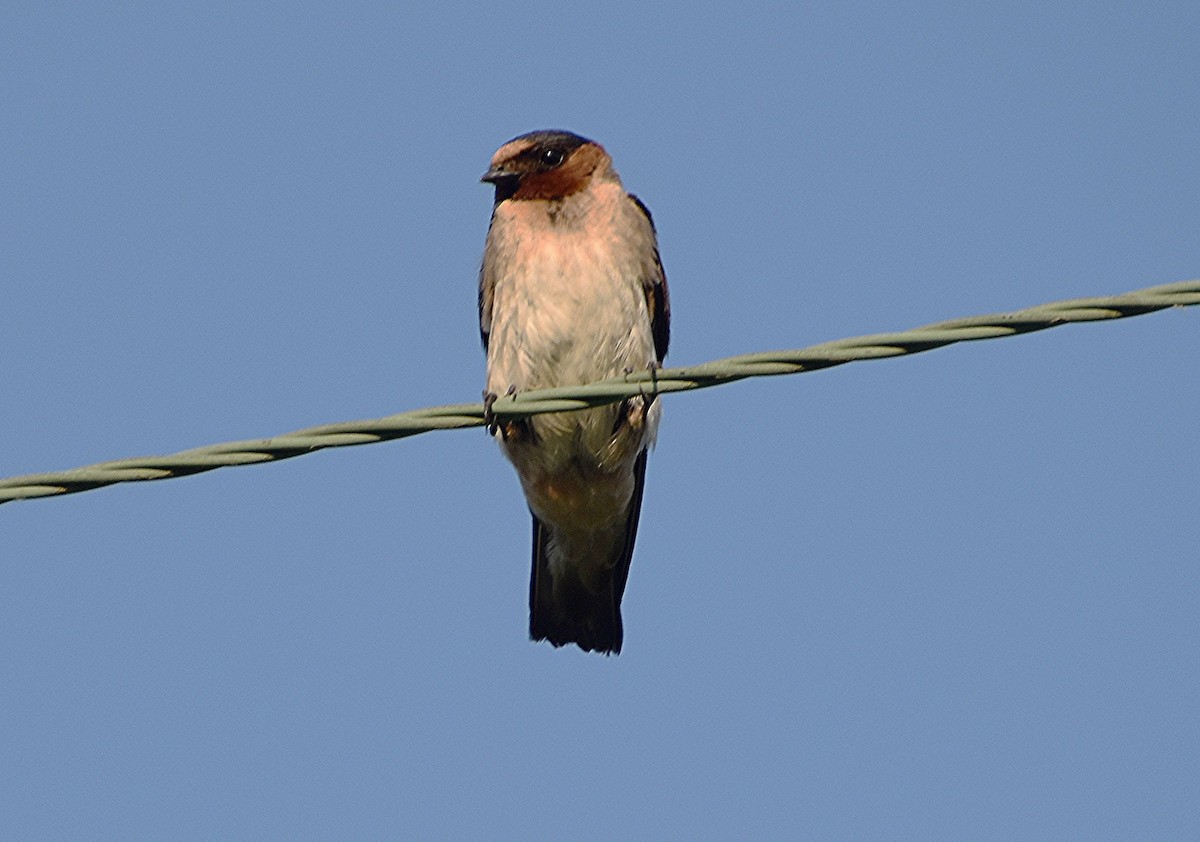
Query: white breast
point(568, 303)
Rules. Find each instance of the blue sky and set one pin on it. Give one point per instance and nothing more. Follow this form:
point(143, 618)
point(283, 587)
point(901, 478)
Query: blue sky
point(948, 596)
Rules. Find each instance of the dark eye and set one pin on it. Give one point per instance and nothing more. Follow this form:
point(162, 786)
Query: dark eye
point(552, 158)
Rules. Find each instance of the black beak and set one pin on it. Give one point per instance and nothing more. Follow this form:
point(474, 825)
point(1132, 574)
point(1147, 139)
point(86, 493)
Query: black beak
point(506, 182)
point(498, 174)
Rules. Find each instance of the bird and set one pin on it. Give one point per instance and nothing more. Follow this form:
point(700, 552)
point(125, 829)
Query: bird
point(572, 290)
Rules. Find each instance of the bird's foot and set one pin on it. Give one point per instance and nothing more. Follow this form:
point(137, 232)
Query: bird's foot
point(516, 429)
point(489, 417)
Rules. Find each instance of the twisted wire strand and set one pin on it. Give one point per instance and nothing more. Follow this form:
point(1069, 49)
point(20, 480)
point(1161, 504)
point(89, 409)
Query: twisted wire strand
point(569, 398)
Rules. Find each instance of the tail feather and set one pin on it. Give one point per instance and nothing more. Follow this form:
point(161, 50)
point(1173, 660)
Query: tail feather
point(568, 611)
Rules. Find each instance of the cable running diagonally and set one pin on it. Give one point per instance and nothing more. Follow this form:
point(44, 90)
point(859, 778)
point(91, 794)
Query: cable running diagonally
point(564, 399)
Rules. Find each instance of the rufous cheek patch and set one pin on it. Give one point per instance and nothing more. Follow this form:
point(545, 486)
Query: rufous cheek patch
point(570, 177)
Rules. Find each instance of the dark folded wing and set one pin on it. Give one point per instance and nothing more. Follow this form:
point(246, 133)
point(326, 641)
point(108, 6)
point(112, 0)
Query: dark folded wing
point(654, 281)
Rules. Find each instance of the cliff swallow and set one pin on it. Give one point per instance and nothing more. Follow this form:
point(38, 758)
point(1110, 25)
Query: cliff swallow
point(571, 291)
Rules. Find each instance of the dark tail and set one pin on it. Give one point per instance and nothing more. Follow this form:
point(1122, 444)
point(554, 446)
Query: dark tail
point(571, 612)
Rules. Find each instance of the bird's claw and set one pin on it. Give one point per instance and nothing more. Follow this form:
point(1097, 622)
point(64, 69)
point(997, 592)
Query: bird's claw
point(653, 368)
point(489, 417)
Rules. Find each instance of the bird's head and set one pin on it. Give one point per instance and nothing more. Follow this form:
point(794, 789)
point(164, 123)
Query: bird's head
point(546, 165)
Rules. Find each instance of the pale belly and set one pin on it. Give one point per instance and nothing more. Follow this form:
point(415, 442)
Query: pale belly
point(576, 317)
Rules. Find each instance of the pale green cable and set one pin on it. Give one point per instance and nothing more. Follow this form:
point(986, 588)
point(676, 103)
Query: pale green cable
point(872, 347)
